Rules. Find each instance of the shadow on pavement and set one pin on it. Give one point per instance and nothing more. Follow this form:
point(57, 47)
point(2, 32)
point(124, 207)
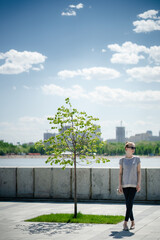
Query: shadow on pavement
point(51, 228)
point(121, 234)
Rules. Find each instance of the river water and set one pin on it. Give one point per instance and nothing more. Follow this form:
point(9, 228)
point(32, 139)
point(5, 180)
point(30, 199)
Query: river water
point(146, 162)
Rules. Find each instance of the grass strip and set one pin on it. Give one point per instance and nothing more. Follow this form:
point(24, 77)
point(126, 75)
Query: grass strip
point(81, 218)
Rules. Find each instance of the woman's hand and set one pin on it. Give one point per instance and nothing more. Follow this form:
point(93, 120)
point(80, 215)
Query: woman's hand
point(120, 189)
point(138, 188)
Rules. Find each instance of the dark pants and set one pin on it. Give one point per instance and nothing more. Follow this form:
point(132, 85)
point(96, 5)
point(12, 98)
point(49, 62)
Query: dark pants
point(129, 194)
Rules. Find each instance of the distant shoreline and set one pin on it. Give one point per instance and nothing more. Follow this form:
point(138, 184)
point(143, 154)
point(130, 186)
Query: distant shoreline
point(24, 156)
point(46, 156)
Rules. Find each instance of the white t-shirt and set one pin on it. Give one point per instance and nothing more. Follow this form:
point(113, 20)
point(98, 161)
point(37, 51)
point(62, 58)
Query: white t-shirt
point(129, 174)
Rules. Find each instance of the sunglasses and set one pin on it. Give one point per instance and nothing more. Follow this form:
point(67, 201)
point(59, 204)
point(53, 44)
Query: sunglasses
point(131, 147)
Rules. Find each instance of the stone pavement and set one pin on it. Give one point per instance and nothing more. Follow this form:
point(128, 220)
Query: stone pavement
point(13, 227)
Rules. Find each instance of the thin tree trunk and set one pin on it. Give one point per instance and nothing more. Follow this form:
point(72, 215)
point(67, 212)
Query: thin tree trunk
point(75, 188)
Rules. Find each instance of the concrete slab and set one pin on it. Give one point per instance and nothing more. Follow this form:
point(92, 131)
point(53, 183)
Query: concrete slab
point(114, 178)
point(42, 182)
point(100, 183)
point(83, 183)
point(142, 194)
point(25, 182)
point(61, 183)
point(153, 180)
point(8, 186)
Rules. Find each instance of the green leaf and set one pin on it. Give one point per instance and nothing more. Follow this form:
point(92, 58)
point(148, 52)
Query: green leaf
point(79, 138)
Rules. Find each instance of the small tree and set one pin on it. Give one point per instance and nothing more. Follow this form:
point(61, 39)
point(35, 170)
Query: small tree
point(76, 134)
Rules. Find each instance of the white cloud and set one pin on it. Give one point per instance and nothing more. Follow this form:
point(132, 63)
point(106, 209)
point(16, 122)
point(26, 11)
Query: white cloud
point(4, 124)
point(70, 11)
point(151, 22)
point(26, 87)
point(146, 26)
point(131, 53)
point(103, 50)
point(154, 54)
point(78, 6)
point(41, 67)
point(29, 119)
point(110, 123)
point(149, 14)
point(128, 53)
point(75, 91)
point(140, 123)
point(19, 62)
point(104, 94)
point(146, 74)
point(125, 58)
point(99, 73)
point(25, 129)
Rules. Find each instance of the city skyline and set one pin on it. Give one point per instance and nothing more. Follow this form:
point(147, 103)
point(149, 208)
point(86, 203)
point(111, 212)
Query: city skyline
point(120, 135)
point(103, 55)
point(140, 136)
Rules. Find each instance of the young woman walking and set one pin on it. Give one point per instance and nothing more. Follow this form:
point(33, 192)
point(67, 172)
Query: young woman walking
point(129, 181)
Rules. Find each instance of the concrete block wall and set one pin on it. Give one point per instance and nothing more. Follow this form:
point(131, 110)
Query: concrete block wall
point(153, 181)
point(25, 183)
point(55, 183)
point(61, 183)
point(8, 183)
point(100, 183)
point(83, 183)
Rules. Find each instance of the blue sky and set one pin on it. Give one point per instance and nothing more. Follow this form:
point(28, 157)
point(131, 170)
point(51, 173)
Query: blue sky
point(103, 54)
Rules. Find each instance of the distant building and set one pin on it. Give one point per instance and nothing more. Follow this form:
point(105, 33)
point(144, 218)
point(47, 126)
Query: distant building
point(144, 137)
point(46, 136)
point(93, 134)
point(120, 134)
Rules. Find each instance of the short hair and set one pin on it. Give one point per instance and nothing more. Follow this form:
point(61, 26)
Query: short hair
point(128, 144)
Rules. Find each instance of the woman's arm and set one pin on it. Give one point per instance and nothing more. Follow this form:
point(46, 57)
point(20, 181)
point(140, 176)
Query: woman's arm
point(120, 178)
point(138, 177)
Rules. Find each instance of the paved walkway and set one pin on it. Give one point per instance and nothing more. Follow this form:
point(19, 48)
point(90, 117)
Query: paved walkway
point(13, 227)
